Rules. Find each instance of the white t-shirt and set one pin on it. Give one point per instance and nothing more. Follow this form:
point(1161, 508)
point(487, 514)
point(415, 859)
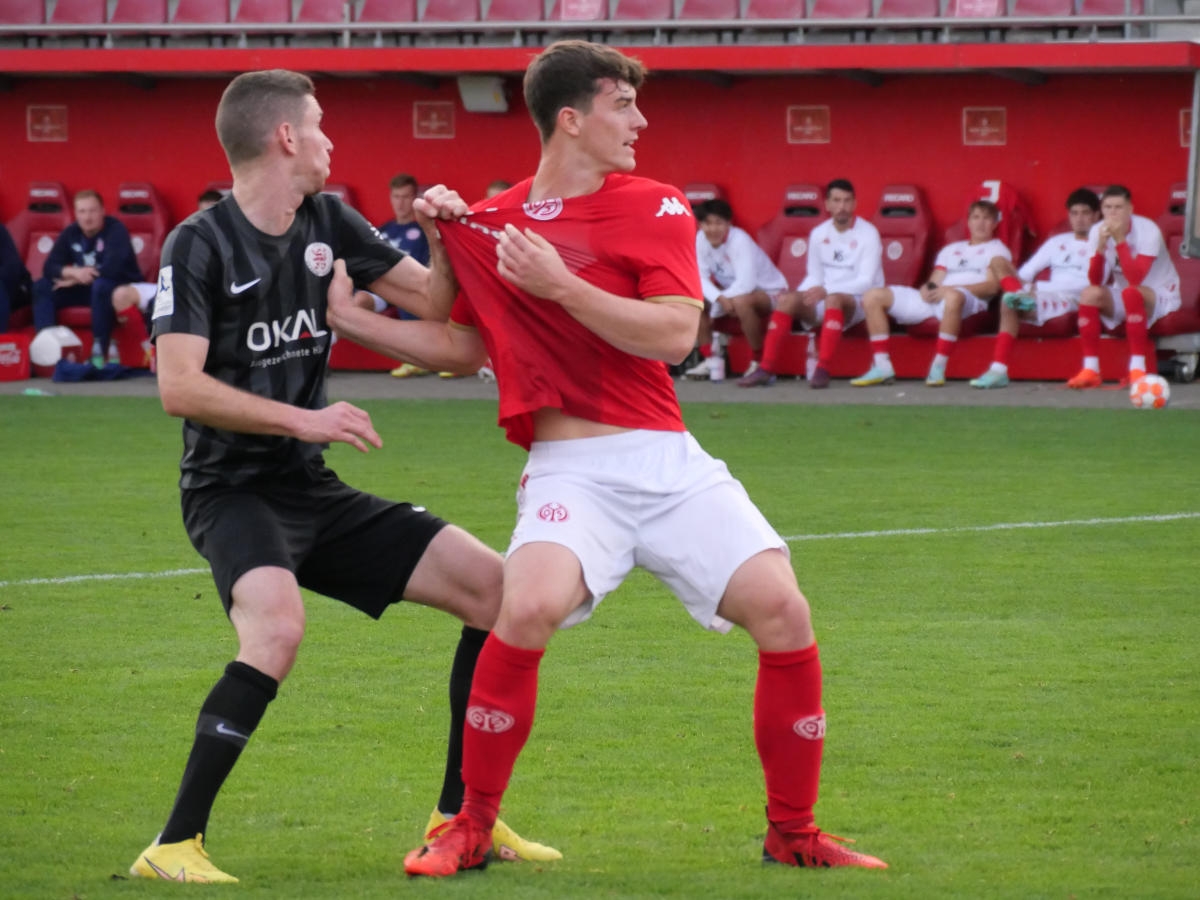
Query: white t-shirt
point(737, 267)
point(1066, 256)
point(1144, 239)
point(844, 262)
point(967, 263)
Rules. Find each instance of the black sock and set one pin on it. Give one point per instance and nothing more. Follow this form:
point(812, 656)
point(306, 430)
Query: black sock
point(461, 674)
point(227, 719)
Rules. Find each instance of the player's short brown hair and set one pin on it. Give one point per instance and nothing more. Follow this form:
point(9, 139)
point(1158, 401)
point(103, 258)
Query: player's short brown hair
point(85, 194)
point(567, 74)
point(253, 106)
point(1118, 190)
point(402, 180)
point(988, 207)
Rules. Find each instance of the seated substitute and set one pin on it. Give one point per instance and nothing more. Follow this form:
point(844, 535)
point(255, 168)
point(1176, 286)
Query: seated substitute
point(90, 260)
point(737, 279)
point(845, 259)
point(14, 279)
point(1132, 280)
point(960, 285)
point(1025, 300)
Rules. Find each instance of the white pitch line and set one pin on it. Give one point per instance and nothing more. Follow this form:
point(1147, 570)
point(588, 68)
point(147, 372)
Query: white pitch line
point(791, 538)
point(1001, 526)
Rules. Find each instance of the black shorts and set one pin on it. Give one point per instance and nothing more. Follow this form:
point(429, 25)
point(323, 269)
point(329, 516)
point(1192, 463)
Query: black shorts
point(337, 541)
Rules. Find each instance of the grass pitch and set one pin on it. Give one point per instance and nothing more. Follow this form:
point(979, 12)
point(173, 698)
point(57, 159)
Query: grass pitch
point(1012, 712)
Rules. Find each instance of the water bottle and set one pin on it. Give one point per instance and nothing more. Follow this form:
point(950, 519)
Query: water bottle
point(716, 367)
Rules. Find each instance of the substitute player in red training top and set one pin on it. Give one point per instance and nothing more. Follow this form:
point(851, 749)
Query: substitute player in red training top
point(580, 284)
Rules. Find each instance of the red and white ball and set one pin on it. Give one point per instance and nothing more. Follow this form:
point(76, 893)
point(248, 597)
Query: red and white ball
point(1150, 392)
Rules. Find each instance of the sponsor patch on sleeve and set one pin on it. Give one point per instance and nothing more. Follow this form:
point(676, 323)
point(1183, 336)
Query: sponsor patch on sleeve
point(164, 298)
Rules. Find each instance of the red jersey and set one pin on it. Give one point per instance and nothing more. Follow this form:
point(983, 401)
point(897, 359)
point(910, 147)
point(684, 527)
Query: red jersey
point(633, 238)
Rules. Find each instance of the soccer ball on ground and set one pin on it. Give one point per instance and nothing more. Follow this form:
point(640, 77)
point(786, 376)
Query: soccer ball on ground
point(1150, 392)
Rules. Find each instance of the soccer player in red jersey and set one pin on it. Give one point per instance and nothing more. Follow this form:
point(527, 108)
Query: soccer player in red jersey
point(581, 284)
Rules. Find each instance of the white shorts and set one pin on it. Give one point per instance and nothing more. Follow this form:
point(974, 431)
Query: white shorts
point(909, 307)
point(653, 499)
point(859, 314)
point(1051, 303)
point(1165, 303)
point(716, 310)
point(146, 291)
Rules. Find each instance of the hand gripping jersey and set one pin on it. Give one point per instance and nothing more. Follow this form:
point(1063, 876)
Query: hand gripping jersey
point(260, 301)
point(634, 238)
point(967, 263)
point(737, 267)
point(1066, 256)
point(844, 262)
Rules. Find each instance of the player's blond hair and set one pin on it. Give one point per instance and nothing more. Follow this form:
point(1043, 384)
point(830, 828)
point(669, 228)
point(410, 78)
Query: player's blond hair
point(568, 73)
point(253, 106)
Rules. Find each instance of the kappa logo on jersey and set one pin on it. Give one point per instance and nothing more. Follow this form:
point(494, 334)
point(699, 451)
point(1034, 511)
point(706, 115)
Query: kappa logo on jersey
point(553, 512)
point(544, 210)
point(811, 728)
point(672, 206)
point(267, 335)
point(493, 721)
point(164, 297)
point(319, 258)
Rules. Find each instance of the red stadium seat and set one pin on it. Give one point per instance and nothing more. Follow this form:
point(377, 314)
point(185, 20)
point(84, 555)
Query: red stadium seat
point(908, 9)
point(775, 9)
point(200, 12)
point(975, 9)
point(322, 11)
point(451, 11)
point(785, 238)
point(515, 11)
point(1015, 228)
point(1186, 319)
point(387, 11)
point(263, 12)
point(904, 224)
point(638, 10)
point(579, 10)
point(145, 215)
point(139, 12)
point(700, 191)
point(709, 9)
point(841, 9)
point(23, 12)
point(77, 12)
point(48, 210)
point(1054, 9)
point(1109, 7)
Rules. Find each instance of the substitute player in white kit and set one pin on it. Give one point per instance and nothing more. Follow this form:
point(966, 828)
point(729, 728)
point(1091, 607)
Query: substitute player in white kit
point(1132, 280)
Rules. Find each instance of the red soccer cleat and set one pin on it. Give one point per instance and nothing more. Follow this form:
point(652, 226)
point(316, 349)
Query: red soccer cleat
point(1084, 379)
point(812, 848)
point(456, 845)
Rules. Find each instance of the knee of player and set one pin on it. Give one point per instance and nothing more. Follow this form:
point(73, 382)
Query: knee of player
point(876, 298)
point(1093, 295)
point(954, 300)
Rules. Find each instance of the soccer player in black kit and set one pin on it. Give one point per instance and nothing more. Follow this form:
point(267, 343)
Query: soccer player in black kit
point(239, 322)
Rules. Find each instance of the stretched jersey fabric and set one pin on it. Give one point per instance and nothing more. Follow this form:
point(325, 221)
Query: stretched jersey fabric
point(109, 250)
point(1144, 240)
point(737, 267)
point(634, 238)
point(844, 262)
point(967, 263)
point(1066, 256)
point(260, 301)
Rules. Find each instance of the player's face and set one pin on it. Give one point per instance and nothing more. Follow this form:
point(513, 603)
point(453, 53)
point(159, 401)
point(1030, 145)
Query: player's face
point(1116, 211)
point(715, 229)
point(840, 206)
point(402, 202)
point(981, 226)
point(610, 128)
point(89, 215)
point(1082, 218)
point(312, 147)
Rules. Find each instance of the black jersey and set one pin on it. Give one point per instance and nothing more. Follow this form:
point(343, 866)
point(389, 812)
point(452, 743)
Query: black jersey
point(260, 301)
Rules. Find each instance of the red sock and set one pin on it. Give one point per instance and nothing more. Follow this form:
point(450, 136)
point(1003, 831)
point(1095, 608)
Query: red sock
point(134, 324)
point(499, 719)
point(945, 344)
point(778, 328)
point(789, 731)
point(1011, 284)
point(1089, 330)
point(1004, 344)
point(1135, 324)
point(831, 334)
point(705, 350)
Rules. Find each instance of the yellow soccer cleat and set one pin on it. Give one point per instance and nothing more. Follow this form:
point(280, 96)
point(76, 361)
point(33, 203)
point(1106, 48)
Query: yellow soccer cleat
point(506, 843)
point(183, 861)
point(408, 370)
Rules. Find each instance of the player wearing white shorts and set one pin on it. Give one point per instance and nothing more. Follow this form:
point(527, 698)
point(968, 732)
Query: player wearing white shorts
point(960, 285)
point(845, 259)
point(1066, 257)
point(736, 277)
point(1132, 280)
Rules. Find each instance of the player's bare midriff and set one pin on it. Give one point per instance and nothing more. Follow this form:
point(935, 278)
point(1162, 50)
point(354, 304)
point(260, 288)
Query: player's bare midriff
point(555, 425)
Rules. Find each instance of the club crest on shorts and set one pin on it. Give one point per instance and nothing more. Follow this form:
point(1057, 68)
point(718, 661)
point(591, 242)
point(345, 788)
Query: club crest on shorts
point(553, 512)
point(810, 728)
point(318, 257)
point(544, 210)
point(493, 721)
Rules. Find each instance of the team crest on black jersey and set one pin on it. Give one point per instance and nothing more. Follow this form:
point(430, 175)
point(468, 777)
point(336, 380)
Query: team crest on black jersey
point(318, 256)
point(544, 210)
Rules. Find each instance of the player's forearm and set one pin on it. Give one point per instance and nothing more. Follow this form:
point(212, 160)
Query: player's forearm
point(1134, 268)
point(422, 343)
point(653, 329)
point(443, 286)
point(202, 399)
